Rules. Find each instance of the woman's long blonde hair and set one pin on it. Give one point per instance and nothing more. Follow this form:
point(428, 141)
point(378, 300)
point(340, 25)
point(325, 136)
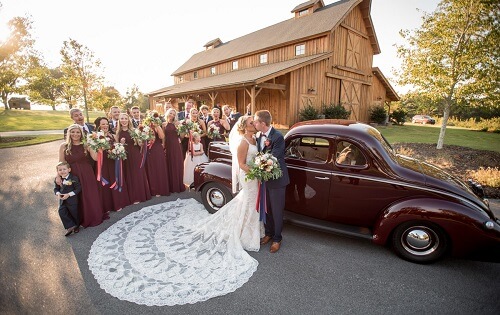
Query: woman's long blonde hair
point(68, 137)
point(119, 128)
point(168, 113)
point(241, 124)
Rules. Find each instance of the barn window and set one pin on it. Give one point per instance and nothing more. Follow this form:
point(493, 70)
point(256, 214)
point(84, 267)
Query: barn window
point(212, 70)
point(195, 75)
point(304, 12)
point(235, 65)
point(181, 79)
point(300, 49)
point(263, 58)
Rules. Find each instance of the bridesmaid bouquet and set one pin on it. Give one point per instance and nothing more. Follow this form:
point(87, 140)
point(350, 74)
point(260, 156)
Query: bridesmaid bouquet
point(141, 134)
point(264, 167)
point(213, 131)
point(185, 126)
point(117, 152)
point(152, 119)
point(97, 141)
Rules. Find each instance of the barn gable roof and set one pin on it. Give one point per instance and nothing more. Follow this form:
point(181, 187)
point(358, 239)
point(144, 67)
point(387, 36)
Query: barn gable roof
point(323, 20)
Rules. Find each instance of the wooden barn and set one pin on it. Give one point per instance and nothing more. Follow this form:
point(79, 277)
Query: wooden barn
point(323, 55)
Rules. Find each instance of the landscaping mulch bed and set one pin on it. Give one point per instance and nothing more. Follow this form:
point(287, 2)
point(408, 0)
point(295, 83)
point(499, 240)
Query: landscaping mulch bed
point(456, 160)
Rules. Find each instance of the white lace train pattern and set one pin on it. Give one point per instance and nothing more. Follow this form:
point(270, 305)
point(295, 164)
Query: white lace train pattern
point(177, 253)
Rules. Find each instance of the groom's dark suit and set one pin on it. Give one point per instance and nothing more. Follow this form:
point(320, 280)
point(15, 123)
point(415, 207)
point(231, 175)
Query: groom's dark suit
point(275, 188)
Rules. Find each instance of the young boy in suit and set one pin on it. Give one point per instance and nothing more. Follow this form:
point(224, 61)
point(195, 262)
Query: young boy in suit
point(67, 194)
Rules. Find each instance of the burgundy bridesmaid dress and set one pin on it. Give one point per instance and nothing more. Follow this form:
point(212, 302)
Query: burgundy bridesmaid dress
point(89, 201)
point(156, 168)
point(174, 159)
point(134, 175)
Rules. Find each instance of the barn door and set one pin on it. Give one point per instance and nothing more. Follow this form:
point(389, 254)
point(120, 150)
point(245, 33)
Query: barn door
point(350, 96)
point(353, 55)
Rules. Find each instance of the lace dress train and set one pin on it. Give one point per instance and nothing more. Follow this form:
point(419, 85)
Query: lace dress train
point(177, 253)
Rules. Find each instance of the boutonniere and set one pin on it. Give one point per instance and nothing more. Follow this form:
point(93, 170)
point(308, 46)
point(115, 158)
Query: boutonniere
point(267, 142)
point(67, 182)
point(258, 134)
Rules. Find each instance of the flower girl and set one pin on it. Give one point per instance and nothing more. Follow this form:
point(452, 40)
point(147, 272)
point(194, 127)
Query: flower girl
point(194, 156)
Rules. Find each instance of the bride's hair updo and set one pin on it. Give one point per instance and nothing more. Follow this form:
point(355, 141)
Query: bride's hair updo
point(241, 124)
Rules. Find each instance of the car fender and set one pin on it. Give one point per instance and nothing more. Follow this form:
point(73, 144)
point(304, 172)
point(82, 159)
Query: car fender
point(215, 171)
point(462, 225)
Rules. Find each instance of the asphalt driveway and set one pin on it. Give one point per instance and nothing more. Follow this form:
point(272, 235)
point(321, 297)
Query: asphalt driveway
point(43, 272)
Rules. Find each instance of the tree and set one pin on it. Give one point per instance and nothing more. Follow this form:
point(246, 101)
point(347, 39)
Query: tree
point(134, 97)
point(106, 97)
point(46, 85)
point(16, 57)
point(80, 64)
point(454, 57)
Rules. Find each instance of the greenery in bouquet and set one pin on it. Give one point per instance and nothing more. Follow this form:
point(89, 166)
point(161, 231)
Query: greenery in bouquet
point(263, 167)
point(97, 141)
point(152, 118)
point(117, 152)
point(141, 134)
point(213, 131)
point(185, 126)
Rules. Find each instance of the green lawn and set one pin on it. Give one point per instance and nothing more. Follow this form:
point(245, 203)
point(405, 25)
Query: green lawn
point(22, 120)
point(12, 142)
point(454, 136)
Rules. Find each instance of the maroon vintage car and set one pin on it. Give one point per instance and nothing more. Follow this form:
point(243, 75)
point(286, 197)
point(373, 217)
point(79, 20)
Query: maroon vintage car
point(345, 178)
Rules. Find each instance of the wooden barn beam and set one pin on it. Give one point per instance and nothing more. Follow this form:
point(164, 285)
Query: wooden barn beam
point(272, 86)
point(342, 77)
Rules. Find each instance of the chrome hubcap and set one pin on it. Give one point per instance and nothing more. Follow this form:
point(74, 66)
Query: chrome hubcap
point(420, 240)
point(215, 198)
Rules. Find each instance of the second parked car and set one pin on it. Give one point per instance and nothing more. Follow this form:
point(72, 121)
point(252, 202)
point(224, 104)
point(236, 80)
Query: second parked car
point(423, 119)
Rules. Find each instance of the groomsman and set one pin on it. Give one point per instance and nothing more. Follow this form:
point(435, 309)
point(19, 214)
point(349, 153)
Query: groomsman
point(78, 118)
point(136, 116)
point(205, 114)
point(185, 114)
point(230, 116)
point(114, 113)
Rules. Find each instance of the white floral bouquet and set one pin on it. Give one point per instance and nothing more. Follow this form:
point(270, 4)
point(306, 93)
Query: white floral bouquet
point(118, 151)
point(263, 167)
point(185, 126)
point(141, 134)
point(97, 141)
point(213, 131)
point(152, 118)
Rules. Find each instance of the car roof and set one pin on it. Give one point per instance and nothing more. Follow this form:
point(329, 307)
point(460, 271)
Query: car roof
point(338, 127)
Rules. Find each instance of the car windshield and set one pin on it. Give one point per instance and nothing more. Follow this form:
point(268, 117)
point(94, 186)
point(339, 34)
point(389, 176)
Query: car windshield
point(383, 141)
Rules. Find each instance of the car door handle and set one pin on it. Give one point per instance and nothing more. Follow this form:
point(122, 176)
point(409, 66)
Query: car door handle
point(318, 177)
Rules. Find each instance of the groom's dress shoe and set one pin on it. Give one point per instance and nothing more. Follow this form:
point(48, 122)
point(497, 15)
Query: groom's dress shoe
point(266, 239)
point(275, 246)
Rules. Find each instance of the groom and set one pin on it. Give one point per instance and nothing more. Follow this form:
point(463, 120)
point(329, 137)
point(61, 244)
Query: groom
point(271, 140)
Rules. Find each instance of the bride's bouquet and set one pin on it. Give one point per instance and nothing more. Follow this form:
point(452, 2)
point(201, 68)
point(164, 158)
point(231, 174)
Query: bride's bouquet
point(141, 134)
point(97, 141)
point(213, 131)
point(264, 167)
point(117, 152)
point(185, 126)
point(152, 119)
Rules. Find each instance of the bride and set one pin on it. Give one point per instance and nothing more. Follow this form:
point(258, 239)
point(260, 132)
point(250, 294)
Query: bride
point(175, 253)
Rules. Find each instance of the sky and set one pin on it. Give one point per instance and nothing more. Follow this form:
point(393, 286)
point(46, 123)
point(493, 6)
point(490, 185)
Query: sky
point(144, 42)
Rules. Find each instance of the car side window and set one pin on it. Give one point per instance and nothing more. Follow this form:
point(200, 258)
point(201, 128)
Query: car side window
point(308, 148)
point(349, 154)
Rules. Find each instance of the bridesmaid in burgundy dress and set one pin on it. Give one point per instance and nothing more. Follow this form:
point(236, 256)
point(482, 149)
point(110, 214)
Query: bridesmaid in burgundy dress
point(134, 175)
point(173, 152)
point(156, 165)
point(222, 124)
point(76, 154)
point(112, 199)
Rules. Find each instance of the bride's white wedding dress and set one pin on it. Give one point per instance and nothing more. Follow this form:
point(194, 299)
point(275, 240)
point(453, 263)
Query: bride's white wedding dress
point(176, 253)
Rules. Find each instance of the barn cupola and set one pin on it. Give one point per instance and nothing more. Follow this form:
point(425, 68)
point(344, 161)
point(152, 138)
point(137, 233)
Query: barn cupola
point(307, 8)
point(212, 44)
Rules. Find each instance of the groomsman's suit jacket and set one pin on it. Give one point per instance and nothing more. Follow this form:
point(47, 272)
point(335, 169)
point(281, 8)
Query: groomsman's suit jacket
point(277, 149)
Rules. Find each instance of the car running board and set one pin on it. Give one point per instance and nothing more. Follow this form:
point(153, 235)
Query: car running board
point(329, 227)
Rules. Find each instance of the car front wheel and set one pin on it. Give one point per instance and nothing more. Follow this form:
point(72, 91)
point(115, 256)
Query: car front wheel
point(215, 196)
point(419, 242)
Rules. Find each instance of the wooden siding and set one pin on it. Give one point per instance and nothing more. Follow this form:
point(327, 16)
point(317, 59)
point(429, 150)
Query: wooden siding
point(313, 46)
